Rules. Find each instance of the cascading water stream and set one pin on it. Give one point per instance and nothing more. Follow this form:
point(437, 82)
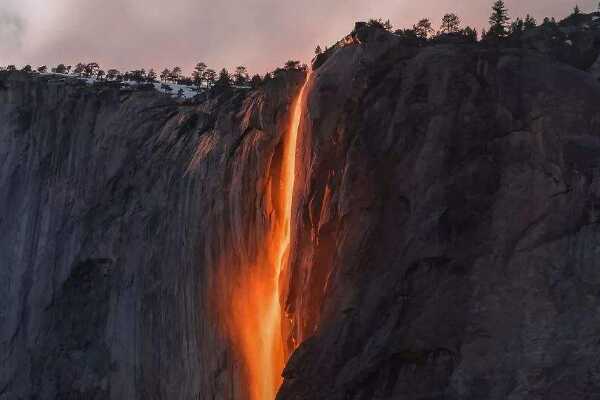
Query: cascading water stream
point(254, 308)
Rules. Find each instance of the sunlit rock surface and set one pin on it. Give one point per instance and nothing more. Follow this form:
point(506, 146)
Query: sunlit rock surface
point(445, 233)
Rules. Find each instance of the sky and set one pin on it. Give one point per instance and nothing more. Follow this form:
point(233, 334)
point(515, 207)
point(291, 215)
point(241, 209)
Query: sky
point(260, 34)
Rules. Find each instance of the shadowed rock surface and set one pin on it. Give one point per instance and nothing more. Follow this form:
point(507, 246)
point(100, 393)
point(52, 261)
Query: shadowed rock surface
point(445, 242)
point(447, 229)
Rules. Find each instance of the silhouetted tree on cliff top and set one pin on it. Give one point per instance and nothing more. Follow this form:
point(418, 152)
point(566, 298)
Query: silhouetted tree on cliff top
point(224, 79)
point(198, 74)
point(165, 74)
point(470, 34)
point(450, 23)
point(379, 23)
point(175, 73)
point(240, 76)
point(292, 64)
point(498, 20)
point(255, 81)
point(151, 75)
point(112, 74)
point(79, 67)
point(90, 69)
point(60, 69)
point(529, 22)
point(423, 29)
point(209, 76)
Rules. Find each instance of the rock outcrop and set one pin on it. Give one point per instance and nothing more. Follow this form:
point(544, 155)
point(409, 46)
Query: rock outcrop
point(444, 237)
point(447, 224)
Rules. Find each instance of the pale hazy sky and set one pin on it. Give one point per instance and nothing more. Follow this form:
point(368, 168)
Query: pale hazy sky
point(260, 34)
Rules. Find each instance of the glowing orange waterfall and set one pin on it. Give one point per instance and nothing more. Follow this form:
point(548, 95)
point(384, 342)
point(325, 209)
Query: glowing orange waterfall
point(255, 312)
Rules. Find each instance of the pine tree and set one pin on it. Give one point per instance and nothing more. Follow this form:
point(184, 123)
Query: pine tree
point(450, 23)
point(224, 79)
point(255, 81)
point(198, 74)
point(240, 76)
point(517, 27)
point(175, 74)
point(423, 28)
point(576, 10)
point(499, 20)
point(379, 23)
point(470, 34)
point(318, 50)
point(112, 74)
point(165, 74)
point(291, 65)
point(209, 77)
point(60, 69)
point(151, 75)
point(79, 67)
point(529, 23)
point(90, 69)
point(387, 25)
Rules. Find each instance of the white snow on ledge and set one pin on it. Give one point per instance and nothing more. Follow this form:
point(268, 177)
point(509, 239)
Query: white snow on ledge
point(177, 90)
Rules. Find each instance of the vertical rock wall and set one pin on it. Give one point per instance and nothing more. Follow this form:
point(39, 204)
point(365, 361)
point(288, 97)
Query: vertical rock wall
point(116, 206)
point(446, 240)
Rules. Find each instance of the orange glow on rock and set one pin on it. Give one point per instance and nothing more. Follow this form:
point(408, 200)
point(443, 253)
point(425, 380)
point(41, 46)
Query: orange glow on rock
point(254, 313)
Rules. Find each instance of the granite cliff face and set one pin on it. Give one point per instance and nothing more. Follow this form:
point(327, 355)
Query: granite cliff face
point(447, 227)
point(115, 206)
point(444, 242)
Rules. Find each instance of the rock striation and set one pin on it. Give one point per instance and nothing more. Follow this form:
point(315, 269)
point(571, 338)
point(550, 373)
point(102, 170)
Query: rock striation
point(444, 237)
